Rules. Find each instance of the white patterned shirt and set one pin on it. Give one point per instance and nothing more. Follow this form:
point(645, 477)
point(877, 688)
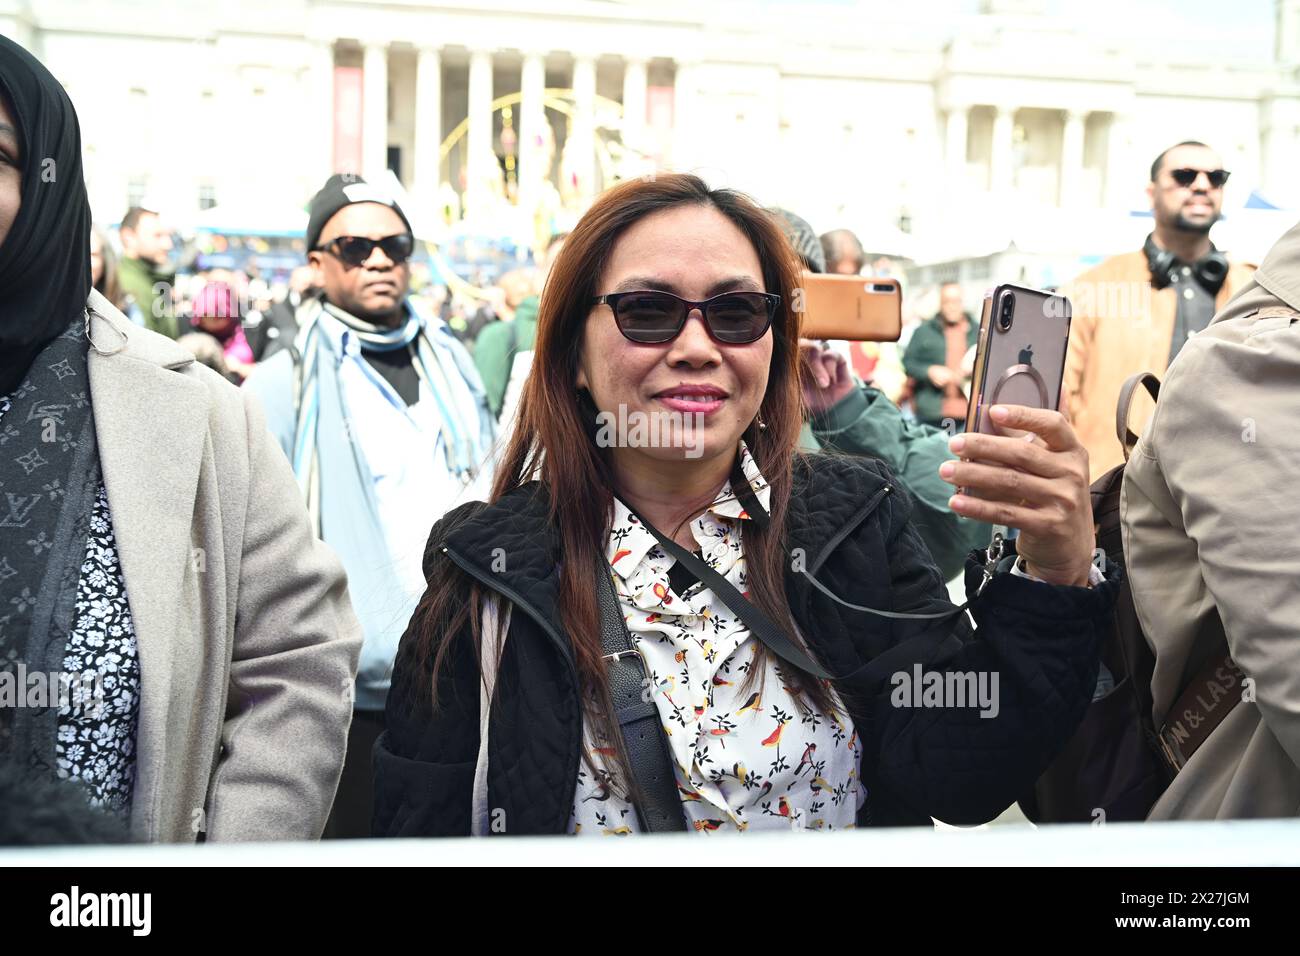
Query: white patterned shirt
point(744, 756)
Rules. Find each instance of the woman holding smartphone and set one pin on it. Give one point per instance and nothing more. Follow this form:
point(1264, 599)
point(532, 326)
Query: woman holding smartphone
point(797, 705)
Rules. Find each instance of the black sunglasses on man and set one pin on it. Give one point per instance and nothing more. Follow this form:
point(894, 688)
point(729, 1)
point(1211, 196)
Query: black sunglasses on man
point(355, 250)
point(1186, 177)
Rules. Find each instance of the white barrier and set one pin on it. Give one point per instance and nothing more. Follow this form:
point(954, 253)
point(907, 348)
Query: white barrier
point(1234, 843)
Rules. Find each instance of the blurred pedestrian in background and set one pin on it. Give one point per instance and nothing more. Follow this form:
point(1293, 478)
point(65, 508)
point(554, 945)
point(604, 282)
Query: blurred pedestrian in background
point(215, 314)
point(934, 360)
point(843, 253)
point(279, 325)
point(104, 275)
point(1135, 311)
point(144, 271)
point(503, 352)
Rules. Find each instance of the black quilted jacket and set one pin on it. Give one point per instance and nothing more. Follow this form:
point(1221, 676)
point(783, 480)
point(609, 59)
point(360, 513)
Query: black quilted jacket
point(850, 518)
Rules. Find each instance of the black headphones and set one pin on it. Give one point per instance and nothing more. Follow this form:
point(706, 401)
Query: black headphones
point(1211, 270)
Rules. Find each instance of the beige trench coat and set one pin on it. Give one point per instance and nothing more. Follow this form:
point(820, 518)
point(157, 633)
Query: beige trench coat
point(1211, 526)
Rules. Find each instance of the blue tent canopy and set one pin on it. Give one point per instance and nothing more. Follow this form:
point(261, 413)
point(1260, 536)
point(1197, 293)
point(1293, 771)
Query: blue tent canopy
point(1256, 201)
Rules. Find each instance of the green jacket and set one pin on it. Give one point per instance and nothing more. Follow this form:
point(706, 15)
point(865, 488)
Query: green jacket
point(867, 423)
point(496, 347)
point(138, 278)
point(927, 347)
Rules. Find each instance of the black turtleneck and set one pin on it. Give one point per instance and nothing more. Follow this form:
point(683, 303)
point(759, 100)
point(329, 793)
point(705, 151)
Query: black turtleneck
point(398, 369)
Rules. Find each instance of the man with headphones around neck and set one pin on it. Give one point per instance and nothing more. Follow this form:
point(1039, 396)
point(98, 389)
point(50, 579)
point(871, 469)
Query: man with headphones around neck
point(1135, 311)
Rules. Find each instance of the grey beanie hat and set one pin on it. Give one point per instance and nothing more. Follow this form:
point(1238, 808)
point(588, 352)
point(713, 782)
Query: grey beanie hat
point(802, 238)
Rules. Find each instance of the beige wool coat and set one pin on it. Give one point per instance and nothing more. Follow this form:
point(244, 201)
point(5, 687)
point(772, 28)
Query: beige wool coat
point(247, 641)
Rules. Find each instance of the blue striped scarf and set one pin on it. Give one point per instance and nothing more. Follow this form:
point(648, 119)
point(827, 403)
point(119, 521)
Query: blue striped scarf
point(457, 410)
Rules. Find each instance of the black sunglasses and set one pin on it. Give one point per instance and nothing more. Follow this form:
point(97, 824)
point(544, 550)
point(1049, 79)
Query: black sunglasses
point(652, 318)
point(355, 250)
point(1185, 177)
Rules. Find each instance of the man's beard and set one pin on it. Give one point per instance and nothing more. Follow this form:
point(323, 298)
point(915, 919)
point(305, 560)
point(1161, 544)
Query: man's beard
point(1183, 224)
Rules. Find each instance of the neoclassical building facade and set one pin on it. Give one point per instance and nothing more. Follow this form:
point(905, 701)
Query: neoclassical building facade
point(899, 128)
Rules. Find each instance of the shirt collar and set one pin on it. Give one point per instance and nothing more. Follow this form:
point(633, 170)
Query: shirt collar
point(629, 542)
point(727, 505)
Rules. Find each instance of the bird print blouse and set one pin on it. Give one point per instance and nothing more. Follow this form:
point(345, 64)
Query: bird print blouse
point(747, 752)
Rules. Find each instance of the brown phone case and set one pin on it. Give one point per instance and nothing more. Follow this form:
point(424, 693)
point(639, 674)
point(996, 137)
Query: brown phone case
point(856, 308)
point(1022, 363)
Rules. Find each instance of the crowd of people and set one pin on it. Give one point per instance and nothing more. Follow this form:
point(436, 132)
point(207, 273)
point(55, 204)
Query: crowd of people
point(350, 558)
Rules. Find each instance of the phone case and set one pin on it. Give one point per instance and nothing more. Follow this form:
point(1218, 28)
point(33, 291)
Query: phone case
point(1021, 365)
point(856, 308)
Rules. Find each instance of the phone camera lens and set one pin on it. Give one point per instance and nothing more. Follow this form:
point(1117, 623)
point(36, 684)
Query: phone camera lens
point(1005, 311)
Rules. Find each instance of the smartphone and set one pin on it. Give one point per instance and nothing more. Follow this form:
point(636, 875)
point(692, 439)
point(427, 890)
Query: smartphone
point(1020, 356)
point(856, 308)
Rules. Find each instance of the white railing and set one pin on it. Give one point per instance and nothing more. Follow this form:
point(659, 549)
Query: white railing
point(1236, 843)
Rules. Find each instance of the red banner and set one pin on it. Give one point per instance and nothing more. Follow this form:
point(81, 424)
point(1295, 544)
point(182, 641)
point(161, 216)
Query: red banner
point(347, 119)
point(659, 102)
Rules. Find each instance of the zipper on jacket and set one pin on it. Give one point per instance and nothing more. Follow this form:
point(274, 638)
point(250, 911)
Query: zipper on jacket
point(863, 513)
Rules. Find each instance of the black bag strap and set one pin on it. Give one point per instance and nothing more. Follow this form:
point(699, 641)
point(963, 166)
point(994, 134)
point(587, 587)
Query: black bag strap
point(650, 763)
point(762, 626)
point(757, 620)
point(759, 624)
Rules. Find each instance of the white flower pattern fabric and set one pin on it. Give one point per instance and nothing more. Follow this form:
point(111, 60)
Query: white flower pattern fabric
point(96, 742)
point(744, 756)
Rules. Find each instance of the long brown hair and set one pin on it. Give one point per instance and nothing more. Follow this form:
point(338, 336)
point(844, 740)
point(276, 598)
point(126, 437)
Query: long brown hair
point(552, 440)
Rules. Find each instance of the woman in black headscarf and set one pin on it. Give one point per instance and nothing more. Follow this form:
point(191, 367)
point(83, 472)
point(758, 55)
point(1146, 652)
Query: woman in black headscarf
point(49, 486)
point(43, 285)
point(128, 470)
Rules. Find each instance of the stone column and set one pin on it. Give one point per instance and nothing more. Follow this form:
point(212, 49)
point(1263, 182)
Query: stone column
point(685, 90)
point(582, 161)
point(634, 107)
point(532, 127)
point(480, 159)
point(1071, 172)
point(1123, 179)
point(374, 116)
point(957, 126)
point(428, 123)
point(320, 94)
point(1001, 172)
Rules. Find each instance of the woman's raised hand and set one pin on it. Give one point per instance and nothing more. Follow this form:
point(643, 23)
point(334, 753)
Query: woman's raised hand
point(1037, 483)
point(825, 376)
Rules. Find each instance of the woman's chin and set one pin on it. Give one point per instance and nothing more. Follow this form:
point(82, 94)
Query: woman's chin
point(697, 446)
